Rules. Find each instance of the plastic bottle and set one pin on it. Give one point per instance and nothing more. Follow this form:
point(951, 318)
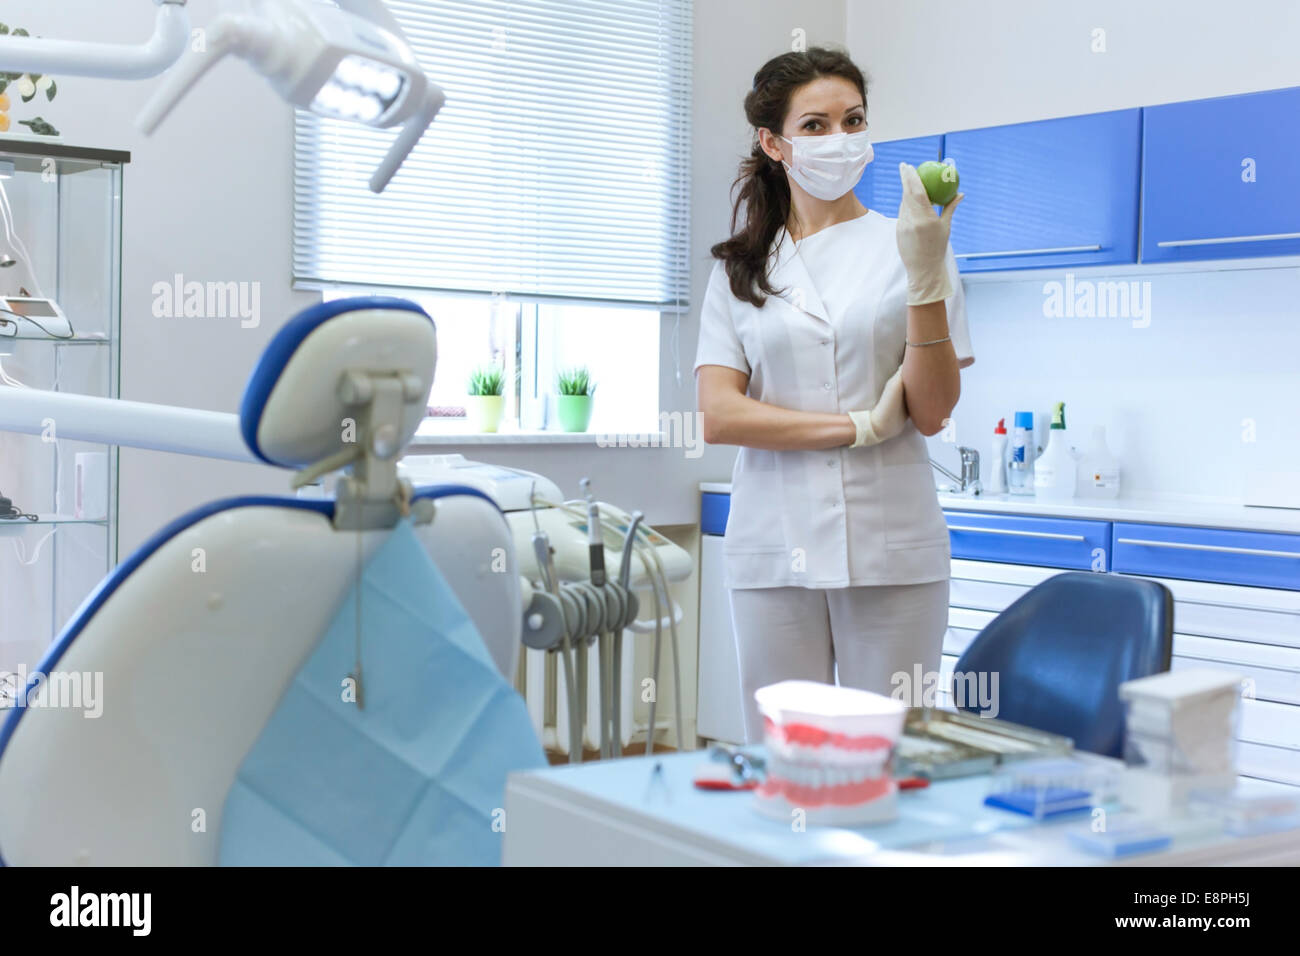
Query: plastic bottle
point(998, 460)
point(1020, 469)
point(1098, 468)
point(1056, 472)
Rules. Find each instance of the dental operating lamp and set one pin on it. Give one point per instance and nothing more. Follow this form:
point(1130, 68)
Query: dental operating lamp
point(348, 62)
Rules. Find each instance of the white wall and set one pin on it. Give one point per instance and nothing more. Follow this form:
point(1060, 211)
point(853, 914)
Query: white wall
point(1219, 355)
point(958, 64)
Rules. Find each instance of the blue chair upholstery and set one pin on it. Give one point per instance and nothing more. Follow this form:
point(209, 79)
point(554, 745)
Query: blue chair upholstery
point(1062, 650)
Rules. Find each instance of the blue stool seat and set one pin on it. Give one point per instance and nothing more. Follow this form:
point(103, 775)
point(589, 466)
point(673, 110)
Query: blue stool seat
point(1061, 651)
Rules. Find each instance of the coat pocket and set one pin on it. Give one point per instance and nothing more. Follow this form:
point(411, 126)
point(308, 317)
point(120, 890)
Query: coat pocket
point(913, 518)
point(756, 521)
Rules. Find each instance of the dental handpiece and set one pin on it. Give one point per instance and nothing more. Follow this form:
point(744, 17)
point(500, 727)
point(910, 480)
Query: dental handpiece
point(629, 545)
point(595, 545)
point(545, 561)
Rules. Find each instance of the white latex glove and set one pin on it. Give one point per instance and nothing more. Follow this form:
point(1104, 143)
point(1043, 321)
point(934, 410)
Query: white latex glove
point(887, 418)
point(922, 237)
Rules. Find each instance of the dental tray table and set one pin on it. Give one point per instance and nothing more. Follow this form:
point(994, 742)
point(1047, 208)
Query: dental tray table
point(628, 813)
point(940, 744)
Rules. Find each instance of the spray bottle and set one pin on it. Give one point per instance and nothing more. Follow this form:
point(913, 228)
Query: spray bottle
point(1055, 474)
point(998, 460)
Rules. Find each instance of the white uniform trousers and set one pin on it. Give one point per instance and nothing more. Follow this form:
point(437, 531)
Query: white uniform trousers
point(867, 634)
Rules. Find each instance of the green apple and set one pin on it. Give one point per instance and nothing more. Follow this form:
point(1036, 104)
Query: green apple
point(940, 181)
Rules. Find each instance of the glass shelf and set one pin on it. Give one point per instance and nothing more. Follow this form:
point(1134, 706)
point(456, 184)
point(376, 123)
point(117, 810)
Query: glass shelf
point(64, 203)
point(10, 527)
point(51, 340)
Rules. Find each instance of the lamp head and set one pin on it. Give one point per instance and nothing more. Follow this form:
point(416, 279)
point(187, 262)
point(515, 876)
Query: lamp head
point(347, 62)
point(338, 64)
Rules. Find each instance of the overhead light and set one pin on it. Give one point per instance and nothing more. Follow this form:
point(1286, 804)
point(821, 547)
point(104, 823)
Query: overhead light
point(349, 62)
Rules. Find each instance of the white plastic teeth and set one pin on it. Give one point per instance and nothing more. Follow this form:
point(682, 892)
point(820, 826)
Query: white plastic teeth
point(813, 773)
point(825, 754)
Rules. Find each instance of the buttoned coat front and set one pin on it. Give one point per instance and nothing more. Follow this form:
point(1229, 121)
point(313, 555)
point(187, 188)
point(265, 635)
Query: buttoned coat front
point(839, 517)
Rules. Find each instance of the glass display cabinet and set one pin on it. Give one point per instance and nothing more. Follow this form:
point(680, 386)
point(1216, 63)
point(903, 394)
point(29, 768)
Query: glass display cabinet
point(60, 321)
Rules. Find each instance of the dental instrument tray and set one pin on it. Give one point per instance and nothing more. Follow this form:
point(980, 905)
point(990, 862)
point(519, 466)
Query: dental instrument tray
point(940, 744)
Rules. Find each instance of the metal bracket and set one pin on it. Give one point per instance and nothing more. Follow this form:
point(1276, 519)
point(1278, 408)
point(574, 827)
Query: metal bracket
point(370, 495)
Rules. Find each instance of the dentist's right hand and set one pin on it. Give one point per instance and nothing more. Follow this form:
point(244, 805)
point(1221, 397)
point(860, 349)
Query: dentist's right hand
point(886, 419)
point(922, 237)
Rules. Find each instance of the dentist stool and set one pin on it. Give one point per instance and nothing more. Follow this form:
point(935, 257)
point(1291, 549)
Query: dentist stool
point(1064, 647)
point(200, 632)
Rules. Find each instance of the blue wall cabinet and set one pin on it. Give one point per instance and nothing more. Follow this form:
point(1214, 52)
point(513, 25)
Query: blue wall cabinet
point(1057, 192)
point(1220, 178)
point(880, 188)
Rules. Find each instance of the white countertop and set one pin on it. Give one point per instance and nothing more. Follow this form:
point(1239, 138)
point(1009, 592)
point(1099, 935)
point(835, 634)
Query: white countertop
point(1155, 509)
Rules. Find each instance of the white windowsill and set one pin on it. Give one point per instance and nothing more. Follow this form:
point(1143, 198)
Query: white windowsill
point(452, 432)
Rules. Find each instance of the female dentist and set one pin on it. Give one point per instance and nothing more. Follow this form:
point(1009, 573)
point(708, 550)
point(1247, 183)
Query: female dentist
point(831, 339)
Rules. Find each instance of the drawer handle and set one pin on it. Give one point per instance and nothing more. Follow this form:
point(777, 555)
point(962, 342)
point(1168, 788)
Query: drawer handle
point(1021, 534)
point(1221, 548)
point(1227, 239)
point(1026, 252)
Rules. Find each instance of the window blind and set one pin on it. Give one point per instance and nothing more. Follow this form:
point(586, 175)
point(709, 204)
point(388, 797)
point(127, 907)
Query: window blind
point(557, 170)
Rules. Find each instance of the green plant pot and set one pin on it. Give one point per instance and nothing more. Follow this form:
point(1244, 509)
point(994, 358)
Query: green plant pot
point(484, 411)
point(574, 412)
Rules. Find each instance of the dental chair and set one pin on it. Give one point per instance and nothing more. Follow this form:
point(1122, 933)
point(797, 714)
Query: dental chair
point(200, 633)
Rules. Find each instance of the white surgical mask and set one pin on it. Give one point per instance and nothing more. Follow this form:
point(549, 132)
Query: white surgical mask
point(829, 165)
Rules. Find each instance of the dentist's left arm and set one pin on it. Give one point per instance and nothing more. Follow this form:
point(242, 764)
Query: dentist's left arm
point(931, 372)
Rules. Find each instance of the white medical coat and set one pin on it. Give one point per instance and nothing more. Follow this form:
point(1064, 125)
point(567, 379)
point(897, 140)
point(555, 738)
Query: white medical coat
point(839, 517)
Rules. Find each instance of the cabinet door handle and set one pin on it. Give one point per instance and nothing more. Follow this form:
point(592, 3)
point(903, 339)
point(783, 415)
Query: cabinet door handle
point(1226, 239)
point(1220, 548)
point(1054, 536)
point(1025, 252)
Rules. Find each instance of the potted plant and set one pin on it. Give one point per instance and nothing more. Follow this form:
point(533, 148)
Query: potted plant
point(573, 401)
point(486, 401)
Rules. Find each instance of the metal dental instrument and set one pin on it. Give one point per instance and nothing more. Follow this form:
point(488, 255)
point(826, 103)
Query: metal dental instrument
point(624, 578)
point(595, 540)
point(546, 567)
point(596, 558)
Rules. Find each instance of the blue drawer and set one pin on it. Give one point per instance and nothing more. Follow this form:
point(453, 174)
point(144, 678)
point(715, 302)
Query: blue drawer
point(1254, 558)
point(1014, 539)
point(714, 508)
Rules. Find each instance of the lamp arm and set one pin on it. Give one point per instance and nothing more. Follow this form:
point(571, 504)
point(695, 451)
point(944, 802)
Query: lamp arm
point(115, 421)
point(112, 61)
point(409, 137)
point(376, 12)
point(222, 38)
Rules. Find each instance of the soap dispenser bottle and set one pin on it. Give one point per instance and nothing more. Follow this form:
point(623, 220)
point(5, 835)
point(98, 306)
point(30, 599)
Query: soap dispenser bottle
point(1098, 468)
point(1055, 473)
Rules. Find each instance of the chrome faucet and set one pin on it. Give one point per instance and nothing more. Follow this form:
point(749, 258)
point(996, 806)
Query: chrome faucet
point(968, 482)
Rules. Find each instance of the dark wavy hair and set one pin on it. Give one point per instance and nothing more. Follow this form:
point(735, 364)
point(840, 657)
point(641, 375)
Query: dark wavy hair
point(761, 193)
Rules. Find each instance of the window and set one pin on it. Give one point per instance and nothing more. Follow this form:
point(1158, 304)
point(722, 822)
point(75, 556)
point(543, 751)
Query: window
point(543, 220)
point(533, 342)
